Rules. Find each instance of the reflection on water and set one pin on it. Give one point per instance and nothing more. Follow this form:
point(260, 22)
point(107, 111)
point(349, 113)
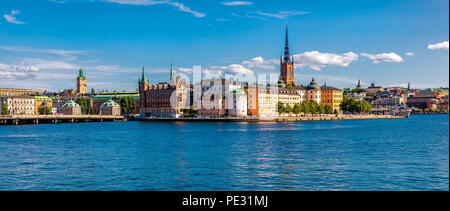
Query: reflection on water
point(337, 155)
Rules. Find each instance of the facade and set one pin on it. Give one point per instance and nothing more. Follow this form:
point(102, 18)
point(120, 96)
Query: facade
point(19, 105)
point(268, 102)
point(210, 96)
point(237, 103)
point(163, 99)
point(20, 92)
point(301, 90)
point(110, 108)
point(389, 102)
point(332, 97)
point(287, 65)
point(313, 92)
point(42, 101)
point(252, 101)
point(288, 97)
point(71, 108)
point(81, 83)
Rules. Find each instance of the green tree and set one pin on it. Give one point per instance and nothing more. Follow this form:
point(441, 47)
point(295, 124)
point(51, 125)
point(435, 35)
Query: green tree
point(305, 107)
point(5, 110)
point(44, 110)
point(85, 104)
point(297, 108)
point(288, 109)
point(320, 109)
point(328, 109)
point(92, 91)
point(128, 105)
point(314, 107)
point(281, 108)
point(352, 105)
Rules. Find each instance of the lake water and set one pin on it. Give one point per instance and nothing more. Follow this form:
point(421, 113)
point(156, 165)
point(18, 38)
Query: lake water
point(392, 154)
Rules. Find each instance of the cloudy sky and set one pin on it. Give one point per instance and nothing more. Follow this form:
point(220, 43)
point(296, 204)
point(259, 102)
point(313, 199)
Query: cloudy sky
point(43, 43)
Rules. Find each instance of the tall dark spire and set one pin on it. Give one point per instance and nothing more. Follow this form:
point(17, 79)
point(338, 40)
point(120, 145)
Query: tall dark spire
point(171, 70)
point(287, 54)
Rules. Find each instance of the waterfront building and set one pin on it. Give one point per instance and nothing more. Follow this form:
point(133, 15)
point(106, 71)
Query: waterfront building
point(163, 99)
point(313, 92)
point(42, 101)
point(110, 108)
point(301, 90)
point(332, 97)
point(288, 96)
point(102, 97)
point(81, 82)
point(287, 65)
point(267, 102)
point(388, 102)
point(20, 92)
point(71, 108)
point(210, 96)
point(237, 103)
point(19, 105)
point(252, 100)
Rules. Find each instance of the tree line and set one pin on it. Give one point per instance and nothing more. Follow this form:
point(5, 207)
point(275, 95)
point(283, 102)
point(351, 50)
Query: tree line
point(306, 107)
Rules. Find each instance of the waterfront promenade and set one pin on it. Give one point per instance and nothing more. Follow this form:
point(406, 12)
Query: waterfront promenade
point(54, 119)
point(323, 117)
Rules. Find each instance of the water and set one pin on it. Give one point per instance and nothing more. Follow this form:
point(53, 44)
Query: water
point(394, 154)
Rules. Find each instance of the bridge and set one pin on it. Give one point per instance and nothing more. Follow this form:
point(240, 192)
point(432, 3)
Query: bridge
point(55, 119)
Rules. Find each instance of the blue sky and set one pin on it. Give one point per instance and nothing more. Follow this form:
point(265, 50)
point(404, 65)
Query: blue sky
point(43, 43)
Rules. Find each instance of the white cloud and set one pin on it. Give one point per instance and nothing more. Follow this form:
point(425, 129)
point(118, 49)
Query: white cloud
point(409, 54)
point(237, 69)
point(177, 5)
point(237, 3)
point(67, 54)
point(439, 46)
point(280, 15)
point(259, 63)
point(383, 57)
point(317, 60)
point(11, 17)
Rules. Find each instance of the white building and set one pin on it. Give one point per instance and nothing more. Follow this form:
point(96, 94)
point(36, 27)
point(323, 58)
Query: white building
point(237, 103)
point(19, 105)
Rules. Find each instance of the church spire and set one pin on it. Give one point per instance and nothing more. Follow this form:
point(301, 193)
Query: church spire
point(171, 70)
point(287, 54)
point(143, 79)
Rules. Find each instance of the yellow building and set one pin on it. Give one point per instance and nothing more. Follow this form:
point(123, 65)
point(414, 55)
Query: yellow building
point(81, 83)
point(332, 97)
point(42, 101)
point(267, 102)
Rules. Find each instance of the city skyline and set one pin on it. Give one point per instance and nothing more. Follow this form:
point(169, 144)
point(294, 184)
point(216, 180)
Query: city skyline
point(388, 43)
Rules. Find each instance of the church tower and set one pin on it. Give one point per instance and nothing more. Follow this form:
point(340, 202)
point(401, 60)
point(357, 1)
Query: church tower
point(81, 82)
point(144, 84)
point(287, 64)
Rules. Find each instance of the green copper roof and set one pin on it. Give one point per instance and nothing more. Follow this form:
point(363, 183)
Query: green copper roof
point(143, 79)
point(109, 103)
point(119, 95)
point(313, 85)
point(70, 104)
point(238, 92)
point(42, 98)
point(81, 74)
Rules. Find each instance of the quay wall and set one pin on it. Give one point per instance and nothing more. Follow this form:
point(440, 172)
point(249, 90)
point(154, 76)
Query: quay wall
point(279, 119)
